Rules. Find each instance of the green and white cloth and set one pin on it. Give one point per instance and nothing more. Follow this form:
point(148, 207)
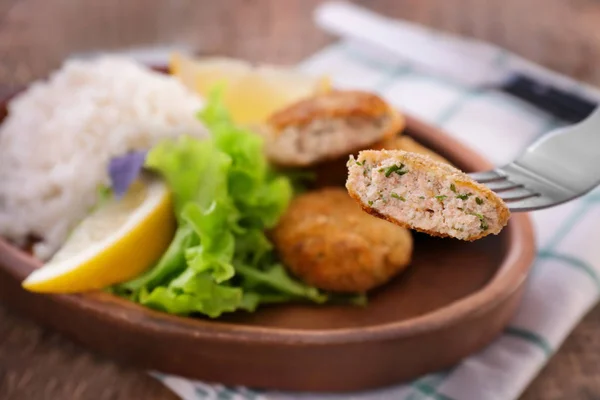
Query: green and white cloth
point(564, 283)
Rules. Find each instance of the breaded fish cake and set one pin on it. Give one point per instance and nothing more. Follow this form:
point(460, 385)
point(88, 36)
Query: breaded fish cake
point(335, 172)
point(414, 191)
point(407, 143)
point(327, 126)
point(326, 240)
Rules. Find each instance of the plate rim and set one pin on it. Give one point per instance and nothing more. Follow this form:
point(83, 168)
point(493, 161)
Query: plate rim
point(509, 277)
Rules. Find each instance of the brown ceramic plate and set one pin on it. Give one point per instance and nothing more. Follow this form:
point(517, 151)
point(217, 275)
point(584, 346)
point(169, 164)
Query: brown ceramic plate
point(454, 299)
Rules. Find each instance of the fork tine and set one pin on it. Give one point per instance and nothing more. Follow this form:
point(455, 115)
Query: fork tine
point(498, 186)
point(517, 194)
point(530, 204)
point(487, 176)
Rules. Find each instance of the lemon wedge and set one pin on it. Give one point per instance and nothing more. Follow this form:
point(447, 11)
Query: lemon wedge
point(252, 93)
point(115, 243)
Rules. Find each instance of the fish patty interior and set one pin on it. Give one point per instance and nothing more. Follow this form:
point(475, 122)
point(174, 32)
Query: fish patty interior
point(325, 138)
point(414, 191)
point(327, 126)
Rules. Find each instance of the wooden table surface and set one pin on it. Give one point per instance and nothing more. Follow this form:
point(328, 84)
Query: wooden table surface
point(35, 35)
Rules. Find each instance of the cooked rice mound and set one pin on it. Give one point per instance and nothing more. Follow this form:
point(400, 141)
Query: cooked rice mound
point(60, 134)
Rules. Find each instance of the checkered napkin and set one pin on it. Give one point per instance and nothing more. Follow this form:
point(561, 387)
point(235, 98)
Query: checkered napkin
point(564, 283)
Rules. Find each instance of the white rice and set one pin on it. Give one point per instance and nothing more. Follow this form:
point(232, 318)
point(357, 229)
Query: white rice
point(60, 134)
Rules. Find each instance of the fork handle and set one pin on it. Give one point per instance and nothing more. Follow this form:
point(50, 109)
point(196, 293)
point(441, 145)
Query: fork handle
point(559, 103)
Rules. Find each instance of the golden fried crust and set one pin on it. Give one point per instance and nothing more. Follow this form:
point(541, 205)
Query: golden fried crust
point(328, 126)
point(336, 104)
point(375, 213)
point(407, 143)
point(326, 240)
point(423, 163)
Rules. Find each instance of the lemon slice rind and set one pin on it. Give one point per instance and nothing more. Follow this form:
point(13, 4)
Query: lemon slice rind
point(88, 263)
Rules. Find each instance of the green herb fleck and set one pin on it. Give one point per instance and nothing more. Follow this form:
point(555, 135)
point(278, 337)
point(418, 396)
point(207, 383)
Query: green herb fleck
point(361, 164)
point(370, 202)
point(483, 223)
point(478, 201)
point(397, 196)
point(422, 197)
point(394, 168)
point(441, 197)
point(453, 187)
point(464, 196)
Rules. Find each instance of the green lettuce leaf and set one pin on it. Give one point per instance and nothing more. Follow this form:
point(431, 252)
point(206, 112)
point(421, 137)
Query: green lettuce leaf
point(171, 264)
point(195, 171)
point(200, 294)
point(275, 281)
point(225, 197)
point(217, 243)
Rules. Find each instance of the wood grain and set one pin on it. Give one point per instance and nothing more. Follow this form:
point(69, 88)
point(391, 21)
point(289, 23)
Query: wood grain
point(35, 35)
point(36, 363)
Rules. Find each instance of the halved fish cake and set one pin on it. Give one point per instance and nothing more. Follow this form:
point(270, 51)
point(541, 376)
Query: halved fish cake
point(416, 192)
point(327, 126)
point(407, 143)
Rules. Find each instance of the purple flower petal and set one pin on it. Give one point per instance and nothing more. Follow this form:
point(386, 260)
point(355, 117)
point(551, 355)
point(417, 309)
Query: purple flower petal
point(123, 170)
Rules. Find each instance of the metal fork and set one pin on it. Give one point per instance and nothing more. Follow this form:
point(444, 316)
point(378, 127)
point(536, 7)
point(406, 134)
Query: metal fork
point(562, 165)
